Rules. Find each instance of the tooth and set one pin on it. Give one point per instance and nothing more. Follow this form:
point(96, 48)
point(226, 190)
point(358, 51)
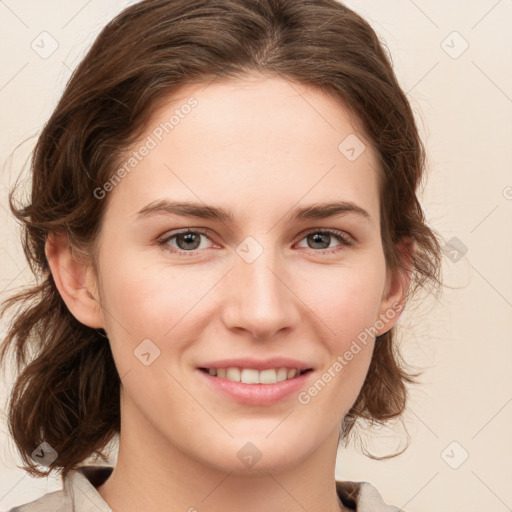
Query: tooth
point(282, 373)
point(233, 374)
point(252, 376)
point(291, 373)
point(268, 376)
point(249, 376)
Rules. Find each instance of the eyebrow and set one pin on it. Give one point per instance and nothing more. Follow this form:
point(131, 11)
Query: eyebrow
point(203, 211)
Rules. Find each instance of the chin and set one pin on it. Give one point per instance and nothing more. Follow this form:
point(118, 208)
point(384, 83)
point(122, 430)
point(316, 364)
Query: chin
point(253, 456)
point(260, 468)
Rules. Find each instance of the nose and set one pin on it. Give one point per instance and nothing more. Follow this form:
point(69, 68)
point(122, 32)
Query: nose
point(260, 298)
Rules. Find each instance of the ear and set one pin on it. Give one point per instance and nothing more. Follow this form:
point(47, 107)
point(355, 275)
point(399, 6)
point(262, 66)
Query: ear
point(75, 280)
point(395, 293)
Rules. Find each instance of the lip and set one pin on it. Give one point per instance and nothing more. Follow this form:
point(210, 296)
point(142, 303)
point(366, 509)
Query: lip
point(256, 394)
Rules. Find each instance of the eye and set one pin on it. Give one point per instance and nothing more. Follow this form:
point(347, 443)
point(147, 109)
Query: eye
point(185, 242)
point(188, 242)
point(318, 240)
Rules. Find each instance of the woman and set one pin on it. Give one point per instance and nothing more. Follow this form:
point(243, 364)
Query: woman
point(225, 225)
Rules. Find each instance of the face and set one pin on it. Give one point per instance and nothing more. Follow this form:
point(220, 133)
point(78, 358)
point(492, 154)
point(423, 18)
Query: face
point(264, 287)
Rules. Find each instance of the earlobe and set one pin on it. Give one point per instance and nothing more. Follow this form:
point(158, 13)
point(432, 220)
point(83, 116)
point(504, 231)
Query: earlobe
point(75, 280)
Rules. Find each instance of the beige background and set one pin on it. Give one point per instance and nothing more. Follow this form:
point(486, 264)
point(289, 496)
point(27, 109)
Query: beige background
point(464, 108)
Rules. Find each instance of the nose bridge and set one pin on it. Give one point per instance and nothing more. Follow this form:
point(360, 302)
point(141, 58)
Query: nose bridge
point(261, 301)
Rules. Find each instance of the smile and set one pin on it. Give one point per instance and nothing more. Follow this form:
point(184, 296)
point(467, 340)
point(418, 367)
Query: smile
point(253, 376)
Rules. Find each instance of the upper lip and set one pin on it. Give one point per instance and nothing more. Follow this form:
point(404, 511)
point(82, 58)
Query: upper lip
point(257, 364)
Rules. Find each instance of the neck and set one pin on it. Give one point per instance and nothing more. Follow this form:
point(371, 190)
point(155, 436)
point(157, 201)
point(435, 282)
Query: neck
point(155, 475)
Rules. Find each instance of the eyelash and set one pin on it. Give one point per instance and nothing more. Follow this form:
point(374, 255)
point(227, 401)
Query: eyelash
point(344, 239)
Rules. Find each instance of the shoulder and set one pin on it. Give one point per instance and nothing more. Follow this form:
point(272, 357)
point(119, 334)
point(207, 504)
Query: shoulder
point(78, 494)
point(53, 502)
point(363, 497)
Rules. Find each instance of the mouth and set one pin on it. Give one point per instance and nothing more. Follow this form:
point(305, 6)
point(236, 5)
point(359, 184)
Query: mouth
point(253, 376)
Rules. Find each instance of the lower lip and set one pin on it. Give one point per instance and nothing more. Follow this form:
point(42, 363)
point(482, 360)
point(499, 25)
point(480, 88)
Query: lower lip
point(257, 394)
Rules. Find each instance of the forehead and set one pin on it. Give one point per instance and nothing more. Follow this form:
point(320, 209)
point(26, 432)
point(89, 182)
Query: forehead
point(260, 141)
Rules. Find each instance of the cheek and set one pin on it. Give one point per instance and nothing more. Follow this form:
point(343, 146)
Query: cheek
point(349, 309)
point(347, 303)
point(345, 299)
point(146, 303)
point(148, 331)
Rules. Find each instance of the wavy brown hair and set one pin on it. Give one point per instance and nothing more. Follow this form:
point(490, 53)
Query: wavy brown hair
point(67, 387)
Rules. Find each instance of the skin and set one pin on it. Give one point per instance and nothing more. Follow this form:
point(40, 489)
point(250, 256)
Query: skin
point(259, 147)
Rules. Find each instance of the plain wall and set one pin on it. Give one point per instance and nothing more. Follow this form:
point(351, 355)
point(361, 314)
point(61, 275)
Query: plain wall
point(463, 103)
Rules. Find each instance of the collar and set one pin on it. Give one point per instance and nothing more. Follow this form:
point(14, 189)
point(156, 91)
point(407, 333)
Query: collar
point(81, 483)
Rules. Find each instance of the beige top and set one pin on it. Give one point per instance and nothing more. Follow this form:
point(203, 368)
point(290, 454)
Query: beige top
point(79, 494)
